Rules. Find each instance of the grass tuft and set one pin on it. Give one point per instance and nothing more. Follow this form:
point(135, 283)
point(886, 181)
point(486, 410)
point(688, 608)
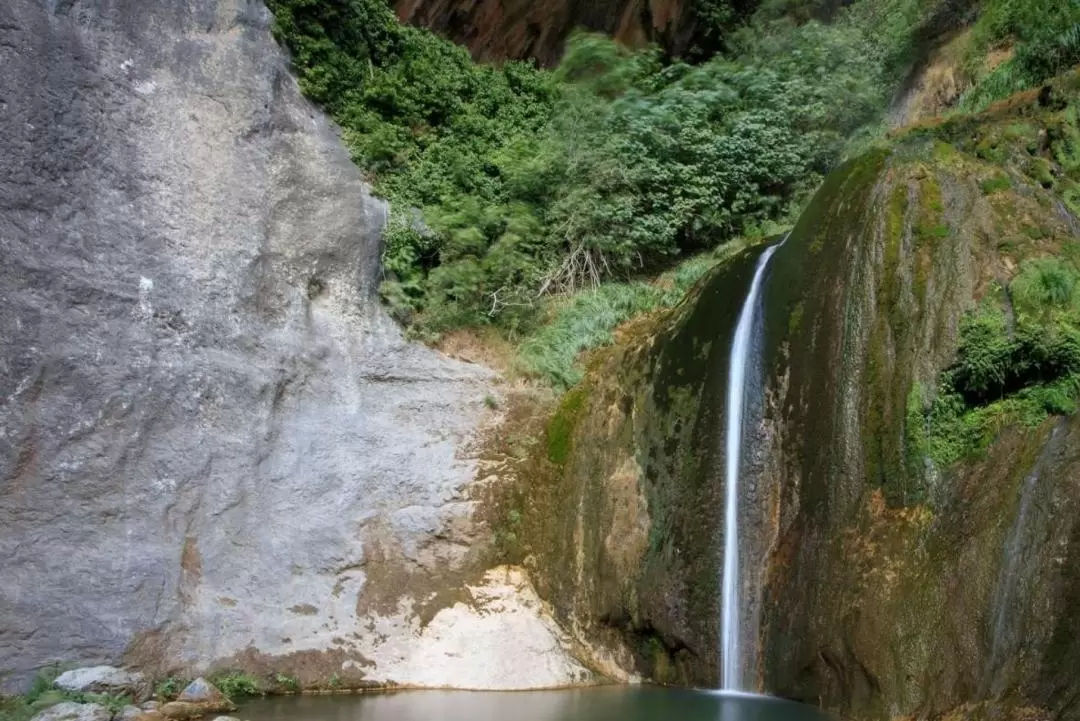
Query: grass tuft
point(286, 684)
point(236, 684)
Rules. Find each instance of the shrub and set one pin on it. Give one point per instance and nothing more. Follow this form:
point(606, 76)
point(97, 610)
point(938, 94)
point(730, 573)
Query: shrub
point(513, 183)
point(286, 684)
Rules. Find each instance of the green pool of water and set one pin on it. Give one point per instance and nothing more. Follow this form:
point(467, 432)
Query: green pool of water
point(620, 703)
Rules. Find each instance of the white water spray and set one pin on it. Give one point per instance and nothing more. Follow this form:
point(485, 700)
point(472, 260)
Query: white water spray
point(741, 348)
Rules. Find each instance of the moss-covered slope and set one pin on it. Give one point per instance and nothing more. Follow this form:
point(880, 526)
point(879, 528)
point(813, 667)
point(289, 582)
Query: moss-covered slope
point(925, 346)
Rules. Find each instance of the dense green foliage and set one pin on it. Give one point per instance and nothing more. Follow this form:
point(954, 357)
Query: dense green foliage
point(1045, 35)
point(1017, 368)
point(512, 184)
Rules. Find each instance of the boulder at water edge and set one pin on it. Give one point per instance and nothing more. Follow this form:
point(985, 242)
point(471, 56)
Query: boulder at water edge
point(128, 713)
point(71, 711)
point(103, 679)
point(205, 694)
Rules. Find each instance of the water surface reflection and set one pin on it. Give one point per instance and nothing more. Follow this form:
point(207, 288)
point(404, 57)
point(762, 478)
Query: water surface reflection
point(613, 703)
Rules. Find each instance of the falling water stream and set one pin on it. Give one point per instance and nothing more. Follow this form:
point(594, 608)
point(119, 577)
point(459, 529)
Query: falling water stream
point(742, 350)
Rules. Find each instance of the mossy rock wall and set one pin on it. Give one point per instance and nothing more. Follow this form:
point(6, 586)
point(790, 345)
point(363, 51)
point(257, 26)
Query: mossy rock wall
point(897, 585)
point(623, 509)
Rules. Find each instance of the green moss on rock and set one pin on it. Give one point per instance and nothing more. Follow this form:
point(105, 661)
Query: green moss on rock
point(932, 377)
point(560, 433)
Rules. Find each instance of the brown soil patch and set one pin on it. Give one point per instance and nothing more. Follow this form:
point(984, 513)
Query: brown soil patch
point(332, 670)
point(482, 346)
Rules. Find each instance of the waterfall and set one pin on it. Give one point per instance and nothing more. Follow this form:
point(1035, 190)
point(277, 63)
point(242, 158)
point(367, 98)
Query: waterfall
point(742, 351)
point(1030, 530)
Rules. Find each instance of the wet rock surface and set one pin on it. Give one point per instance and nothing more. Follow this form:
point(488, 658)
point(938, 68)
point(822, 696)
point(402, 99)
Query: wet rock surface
point(896, 587)
point(206, 414)
point(154, 715)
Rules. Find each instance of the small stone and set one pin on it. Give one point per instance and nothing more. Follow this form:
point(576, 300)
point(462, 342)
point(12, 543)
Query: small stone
point(102, 679)
point(128, 713)
point(71, 711)
point(199, 698)
point(180, 710)
point(151, 706)
point(203, 692)
point(226, 718)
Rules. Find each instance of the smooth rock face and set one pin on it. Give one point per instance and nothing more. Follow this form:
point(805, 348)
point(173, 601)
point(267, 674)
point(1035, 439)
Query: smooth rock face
point(214, 445)
point(71, 711)
point(101, 679)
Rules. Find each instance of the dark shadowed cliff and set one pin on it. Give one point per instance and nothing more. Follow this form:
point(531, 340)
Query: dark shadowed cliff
point(501, 29)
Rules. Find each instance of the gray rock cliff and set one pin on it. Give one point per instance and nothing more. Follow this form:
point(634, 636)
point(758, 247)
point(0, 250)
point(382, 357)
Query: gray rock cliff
point(213, 442)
